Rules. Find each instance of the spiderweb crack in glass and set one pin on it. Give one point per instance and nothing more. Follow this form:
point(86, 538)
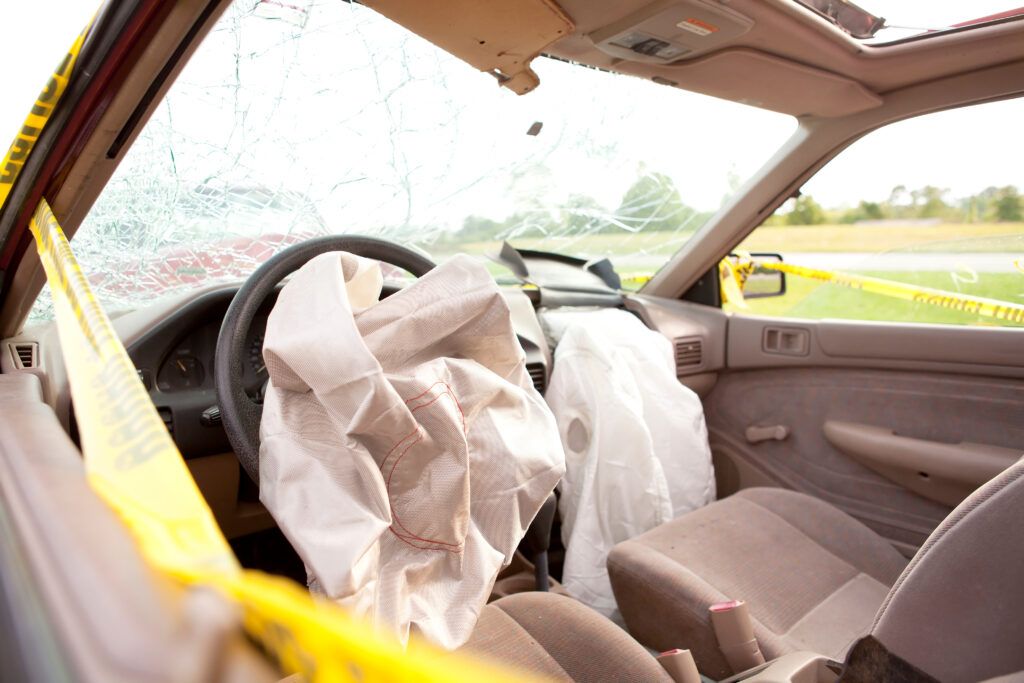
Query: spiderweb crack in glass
point(277, 131)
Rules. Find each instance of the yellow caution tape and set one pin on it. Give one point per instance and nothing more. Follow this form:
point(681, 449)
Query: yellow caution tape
point(37, 118)
point(992, 308)
point(634, 282)
point(731, 284)
point(743, 266)
point(134, 465)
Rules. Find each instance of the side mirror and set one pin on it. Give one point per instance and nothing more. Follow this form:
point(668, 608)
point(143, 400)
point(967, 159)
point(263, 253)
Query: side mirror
point(764, 282)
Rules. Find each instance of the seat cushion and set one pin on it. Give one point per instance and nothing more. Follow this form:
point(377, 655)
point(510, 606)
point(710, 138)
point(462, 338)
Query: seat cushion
point(812, 576)
point(560, 638)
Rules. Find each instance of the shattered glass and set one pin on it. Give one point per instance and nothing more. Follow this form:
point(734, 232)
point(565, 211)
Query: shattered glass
point(329, 119)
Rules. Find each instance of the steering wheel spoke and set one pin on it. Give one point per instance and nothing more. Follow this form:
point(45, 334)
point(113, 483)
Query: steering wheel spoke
point(240, 414)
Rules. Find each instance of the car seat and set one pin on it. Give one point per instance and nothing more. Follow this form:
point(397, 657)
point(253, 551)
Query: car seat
point(816, 579)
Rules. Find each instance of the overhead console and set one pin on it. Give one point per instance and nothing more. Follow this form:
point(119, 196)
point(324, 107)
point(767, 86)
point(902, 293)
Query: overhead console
point(668, 30)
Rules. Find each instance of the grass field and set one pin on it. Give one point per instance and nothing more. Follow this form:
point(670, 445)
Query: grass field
point(806, 298)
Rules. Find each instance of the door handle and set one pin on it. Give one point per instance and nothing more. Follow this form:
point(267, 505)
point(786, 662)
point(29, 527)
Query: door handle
point(757, 434)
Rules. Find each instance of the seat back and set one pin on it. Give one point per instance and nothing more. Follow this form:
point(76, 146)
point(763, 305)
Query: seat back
point(955, 612)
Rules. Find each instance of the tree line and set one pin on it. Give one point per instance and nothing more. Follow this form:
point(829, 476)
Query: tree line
point(653, 203)
point(991, 205)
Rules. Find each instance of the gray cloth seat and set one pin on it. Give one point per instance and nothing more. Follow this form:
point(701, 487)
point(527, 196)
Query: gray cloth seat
point(560, 638)
point(816, 579)
point(812, 576)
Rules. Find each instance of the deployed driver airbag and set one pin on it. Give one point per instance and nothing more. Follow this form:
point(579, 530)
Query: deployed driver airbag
point(404, 450)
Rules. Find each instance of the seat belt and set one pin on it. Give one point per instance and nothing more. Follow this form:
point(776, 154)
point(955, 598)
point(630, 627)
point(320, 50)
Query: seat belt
point(735, 634)
point(680, 666)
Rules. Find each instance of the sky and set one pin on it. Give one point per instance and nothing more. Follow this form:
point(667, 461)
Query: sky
point(931, 14)
point(35, 52)
point(913, 154)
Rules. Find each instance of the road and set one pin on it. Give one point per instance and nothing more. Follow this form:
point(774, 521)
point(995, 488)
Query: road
point(965, 263)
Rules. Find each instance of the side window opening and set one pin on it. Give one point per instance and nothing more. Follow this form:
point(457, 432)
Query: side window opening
point(934, 204)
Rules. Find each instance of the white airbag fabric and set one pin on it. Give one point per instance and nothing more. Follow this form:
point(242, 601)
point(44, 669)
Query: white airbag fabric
point(404, 449)
point(635, 441)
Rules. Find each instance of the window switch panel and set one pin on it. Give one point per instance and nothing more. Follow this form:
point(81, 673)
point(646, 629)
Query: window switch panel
point(788, 341)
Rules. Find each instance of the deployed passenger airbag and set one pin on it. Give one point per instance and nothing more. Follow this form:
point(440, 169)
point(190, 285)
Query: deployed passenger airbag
point(636, 444)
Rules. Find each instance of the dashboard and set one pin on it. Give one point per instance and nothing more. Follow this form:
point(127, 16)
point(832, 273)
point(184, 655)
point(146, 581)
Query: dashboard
point(190, 364)
point(175, 360)
point(173, 344)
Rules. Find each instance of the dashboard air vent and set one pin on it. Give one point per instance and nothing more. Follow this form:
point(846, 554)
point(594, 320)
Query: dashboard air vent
point(688, 353)
point(25, 355)
point(538, 375)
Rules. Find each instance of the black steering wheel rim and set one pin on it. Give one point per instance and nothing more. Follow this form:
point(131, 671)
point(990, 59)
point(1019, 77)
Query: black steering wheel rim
point(240, 415)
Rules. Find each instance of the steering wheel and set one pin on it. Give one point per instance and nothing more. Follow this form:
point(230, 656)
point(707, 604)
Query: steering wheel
point(240, 414)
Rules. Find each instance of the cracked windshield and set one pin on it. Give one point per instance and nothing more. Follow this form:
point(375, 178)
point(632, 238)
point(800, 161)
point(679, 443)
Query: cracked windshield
point(326, 118)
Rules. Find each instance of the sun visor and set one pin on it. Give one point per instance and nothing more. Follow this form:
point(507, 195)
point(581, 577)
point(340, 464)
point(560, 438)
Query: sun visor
point(501, 38)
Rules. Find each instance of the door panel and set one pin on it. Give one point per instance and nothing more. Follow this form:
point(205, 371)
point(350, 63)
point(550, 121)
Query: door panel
point(946, 408)
point(840, 343)
point(892, 363)
point(88, 605)
point(959, 388)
